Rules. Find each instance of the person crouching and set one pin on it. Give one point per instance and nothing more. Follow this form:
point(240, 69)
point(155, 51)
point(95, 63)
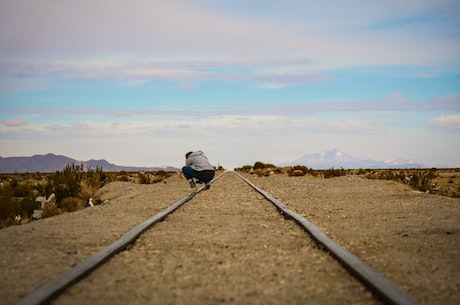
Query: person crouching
point(197, 166)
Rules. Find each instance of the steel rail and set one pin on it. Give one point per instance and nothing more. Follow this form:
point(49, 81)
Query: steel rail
point(56, 286)
point(382, 287)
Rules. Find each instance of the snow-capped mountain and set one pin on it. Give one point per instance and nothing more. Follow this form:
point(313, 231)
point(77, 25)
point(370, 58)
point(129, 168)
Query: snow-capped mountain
point(336, 158)
point(401, 162)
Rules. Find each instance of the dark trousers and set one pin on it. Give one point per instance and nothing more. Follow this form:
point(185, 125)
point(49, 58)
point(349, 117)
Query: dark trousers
point(204, 176)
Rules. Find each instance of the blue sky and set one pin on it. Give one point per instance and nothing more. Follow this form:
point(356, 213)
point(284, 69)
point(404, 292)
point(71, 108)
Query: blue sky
point(142, 82)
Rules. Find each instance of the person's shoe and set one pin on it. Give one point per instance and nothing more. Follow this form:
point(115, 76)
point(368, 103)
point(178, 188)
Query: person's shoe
point(207, 186)
point(192, 184)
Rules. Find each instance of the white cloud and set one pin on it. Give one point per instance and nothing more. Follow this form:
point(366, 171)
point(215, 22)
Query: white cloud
point(447, 122)
point(250, 125)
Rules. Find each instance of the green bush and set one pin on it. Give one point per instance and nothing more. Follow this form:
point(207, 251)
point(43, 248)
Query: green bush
point(18, 192)
point(12, 205)
point(66, 183)
point(95, 179)
point(22, 190)
point(8, 205)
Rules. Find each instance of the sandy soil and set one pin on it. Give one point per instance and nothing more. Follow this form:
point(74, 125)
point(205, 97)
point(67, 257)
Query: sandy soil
point(229, 245)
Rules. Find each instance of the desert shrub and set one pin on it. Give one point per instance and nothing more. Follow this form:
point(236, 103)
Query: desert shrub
point(86, 191)
point(149, 178)
point(123, 178)
point(160, 176)
point(422, 179)
point(66, 183)
point(95, 179)
point(143, 178)
point(8, 205)
point(74, 183)
point(71, 204)
point(258, 165)
point(16, 198)
point(298, 170)
point(18, 192)
point(419, 179)
point(22, 190)
point(11, 206)
point(297, 173)
point(261, 165)
point(27, 206)
point(332, 172)
point(388, 175)
point(50, 210)
point(244, 168)
point(362, 171)
point(262, 172)
point(156, 179)
point(163, 174)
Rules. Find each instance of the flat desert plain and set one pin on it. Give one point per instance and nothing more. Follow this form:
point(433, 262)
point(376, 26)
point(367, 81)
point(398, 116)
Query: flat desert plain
point(228, 245)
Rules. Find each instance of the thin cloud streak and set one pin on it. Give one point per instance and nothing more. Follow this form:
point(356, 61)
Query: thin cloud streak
point(165, 29)
point(447, 121)
point(442, 104)
point(148, 70)
point(391, 104)
point(222, 126)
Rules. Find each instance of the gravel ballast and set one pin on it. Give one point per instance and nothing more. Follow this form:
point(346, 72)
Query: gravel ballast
point(229, 245)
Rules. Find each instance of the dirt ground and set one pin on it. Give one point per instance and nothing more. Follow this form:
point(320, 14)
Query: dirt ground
point(228, 245)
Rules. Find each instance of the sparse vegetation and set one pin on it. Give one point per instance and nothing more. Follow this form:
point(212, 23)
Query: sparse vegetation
point(445, 182)
point(298, 170)
point(16, 198)
point(430, 180)
point(152, 177)
point(332, 172)
point(73, 186)
point(260, 169)
point(244, 168)
point(72, 204)
point(419, 179)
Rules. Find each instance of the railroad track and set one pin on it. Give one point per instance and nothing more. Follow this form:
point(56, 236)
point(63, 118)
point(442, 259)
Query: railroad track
point(248, 225)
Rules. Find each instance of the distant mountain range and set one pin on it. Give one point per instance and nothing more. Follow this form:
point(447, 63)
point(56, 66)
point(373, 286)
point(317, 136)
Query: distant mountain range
point(337, 159)
point(51, 163)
